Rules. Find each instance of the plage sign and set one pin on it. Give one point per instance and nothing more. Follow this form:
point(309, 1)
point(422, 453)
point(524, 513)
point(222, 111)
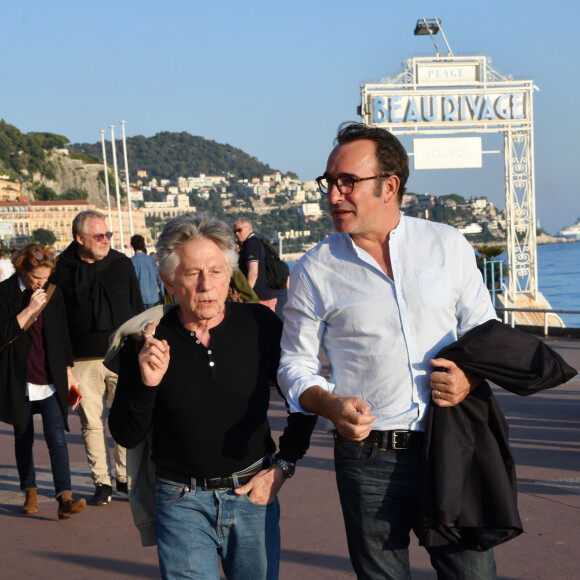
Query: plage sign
point(447, 153)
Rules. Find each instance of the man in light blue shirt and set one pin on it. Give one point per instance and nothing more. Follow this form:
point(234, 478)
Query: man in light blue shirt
point(382, 296)
point(152, 289)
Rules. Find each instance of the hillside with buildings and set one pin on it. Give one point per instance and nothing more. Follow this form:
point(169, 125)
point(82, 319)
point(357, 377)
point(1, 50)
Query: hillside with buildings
point(43, 189)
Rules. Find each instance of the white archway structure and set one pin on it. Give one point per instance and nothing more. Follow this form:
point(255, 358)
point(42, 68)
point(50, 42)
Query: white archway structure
point(450, 94)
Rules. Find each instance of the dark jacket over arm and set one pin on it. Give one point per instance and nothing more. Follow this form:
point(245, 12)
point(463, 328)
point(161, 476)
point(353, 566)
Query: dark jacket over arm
point(468, 486)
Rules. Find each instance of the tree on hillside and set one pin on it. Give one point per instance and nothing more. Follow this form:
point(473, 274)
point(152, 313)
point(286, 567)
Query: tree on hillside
point(74, 193)
point(45, 193)
point(171, 155)
point(44, 237)
point(49, 141)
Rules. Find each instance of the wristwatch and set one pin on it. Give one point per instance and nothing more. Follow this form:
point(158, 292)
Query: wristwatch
point(287, 467)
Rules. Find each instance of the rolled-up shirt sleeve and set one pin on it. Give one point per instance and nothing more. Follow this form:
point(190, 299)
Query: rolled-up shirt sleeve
point(300, 363)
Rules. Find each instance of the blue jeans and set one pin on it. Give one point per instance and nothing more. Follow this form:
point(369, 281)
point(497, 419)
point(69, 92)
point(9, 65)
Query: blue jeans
point(53, 425)
point(378, 489)
point(195, 529)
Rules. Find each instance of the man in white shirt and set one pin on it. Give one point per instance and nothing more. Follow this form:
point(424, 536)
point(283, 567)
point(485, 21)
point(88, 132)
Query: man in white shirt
point(381, 296)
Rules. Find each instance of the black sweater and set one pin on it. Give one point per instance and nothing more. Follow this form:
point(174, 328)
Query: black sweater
point(209, 420)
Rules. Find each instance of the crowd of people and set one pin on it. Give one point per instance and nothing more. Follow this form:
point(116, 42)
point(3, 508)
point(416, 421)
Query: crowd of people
point(185, 384)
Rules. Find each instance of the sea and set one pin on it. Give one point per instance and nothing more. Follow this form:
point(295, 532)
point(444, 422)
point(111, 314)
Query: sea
point(558, 278)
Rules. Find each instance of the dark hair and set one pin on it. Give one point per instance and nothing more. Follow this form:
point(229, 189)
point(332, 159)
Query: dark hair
point(392, 158)
point(138, 243)
point(32, 256)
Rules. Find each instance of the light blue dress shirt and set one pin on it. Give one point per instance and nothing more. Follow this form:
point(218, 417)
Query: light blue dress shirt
point(378, 333)
point(152, 289)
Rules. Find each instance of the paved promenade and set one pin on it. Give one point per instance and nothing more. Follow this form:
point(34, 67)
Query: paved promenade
point(101, 543)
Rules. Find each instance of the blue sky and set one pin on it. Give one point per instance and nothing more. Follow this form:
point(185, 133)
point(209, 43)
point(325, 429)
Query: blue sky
point(277, 78)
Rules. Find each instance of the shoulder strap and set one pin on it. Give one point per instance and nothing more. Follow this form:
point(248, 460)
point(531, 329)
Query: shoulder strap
point(49, 292)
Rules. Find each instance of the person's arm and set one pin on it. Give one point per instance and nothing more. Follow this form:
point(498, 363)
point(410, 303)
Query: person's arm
point(134, 290)
point(350, 415)
point(252, 273)
point(299, 373)
point(302, 336)
point(37, 300)
point(140, 373)
point(294, 443)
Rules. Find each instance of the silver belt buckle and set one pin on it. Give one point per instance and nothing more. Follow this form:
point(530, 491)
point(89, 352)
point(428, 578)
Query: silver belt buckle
point(394, 438)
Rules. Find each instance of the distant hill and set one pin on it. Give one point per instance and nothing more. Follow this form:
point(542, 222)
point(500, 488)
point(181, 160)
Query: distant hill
point(23, 155)
point(169, 155)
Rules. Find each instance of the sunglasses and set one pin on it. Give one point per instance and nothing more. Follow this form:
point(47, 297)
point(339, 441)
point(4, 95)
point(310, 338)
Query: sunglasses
point(100, 237)
point(39, 255)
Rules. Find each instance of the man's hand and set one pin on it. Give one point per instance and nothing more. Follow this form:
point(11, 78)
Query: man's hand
point(72, 380)
point(350, 415)
point(153, 357)
point(264, 486)
point(451, 385)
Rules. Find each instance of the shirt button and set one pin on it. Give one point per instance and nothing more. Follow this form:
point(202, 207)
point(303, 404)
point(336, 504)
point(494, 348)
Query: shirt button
point(211, 364)
point(197, 341)
point(209, 352)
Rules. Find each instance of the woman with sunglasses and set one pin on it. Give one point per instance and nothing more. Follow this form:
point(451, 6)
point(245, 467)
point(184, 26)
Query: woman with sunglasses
point(35, 366)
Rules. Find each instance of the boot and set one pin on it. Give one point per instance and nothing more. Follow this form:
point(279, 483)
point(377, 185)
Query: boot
point(31, 504)
point(67, 507)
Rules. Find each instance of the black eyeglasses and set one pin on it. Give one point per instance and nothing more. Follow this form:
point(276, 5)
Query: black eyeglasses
point(238, 230)
point(344, 183)
point(100, 237)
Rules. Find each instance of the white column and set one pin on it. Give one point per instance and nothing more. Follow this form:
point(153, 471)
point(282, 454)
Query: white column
point(112, 127)
point(131, 232)
point(107, 184)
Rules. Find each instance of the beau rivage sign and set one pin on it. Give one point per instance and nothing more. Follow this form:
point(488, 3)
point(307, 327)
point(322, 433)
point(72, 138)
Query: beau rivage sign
point(453, 95)
point(449, 94)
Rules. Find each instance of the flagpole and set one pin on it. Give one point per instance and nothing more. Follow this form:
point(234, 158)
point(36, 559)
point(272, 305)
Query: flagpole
point(112, 127)
point(107, 182)
point(131, 232)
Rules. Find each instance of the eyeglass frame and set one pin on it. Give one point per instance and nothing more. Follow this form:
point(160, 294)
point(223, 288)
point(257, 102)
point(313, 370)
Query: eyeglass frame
point(354, 180)
point(100, 237)
point(41, 254)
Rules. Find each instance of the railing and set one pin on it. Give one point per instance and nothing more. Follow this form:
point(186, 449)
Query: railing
point(489, 277)
point(545, 311)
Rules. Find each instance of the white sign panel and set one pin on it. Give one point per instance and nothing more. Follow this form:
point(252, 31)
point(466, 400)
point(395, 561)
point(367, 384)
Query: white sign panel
point(447, 153)
point(6, 229)
point(443, 73)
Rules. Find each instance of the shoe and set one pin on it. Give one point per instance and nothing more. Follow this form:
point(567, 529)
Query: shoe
point(67, 507)
point(122, 487)
point(31, 503)
point(102, 494)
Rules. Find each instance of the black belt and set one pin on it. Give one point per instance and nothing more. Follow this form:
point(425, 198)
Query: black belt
point(225, 482)
point(395, 439)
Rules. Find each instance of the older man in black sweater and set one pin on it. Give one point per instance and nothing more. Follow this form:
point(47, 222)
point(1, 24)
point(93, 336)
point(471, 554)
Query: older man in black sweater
point(202, 384)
